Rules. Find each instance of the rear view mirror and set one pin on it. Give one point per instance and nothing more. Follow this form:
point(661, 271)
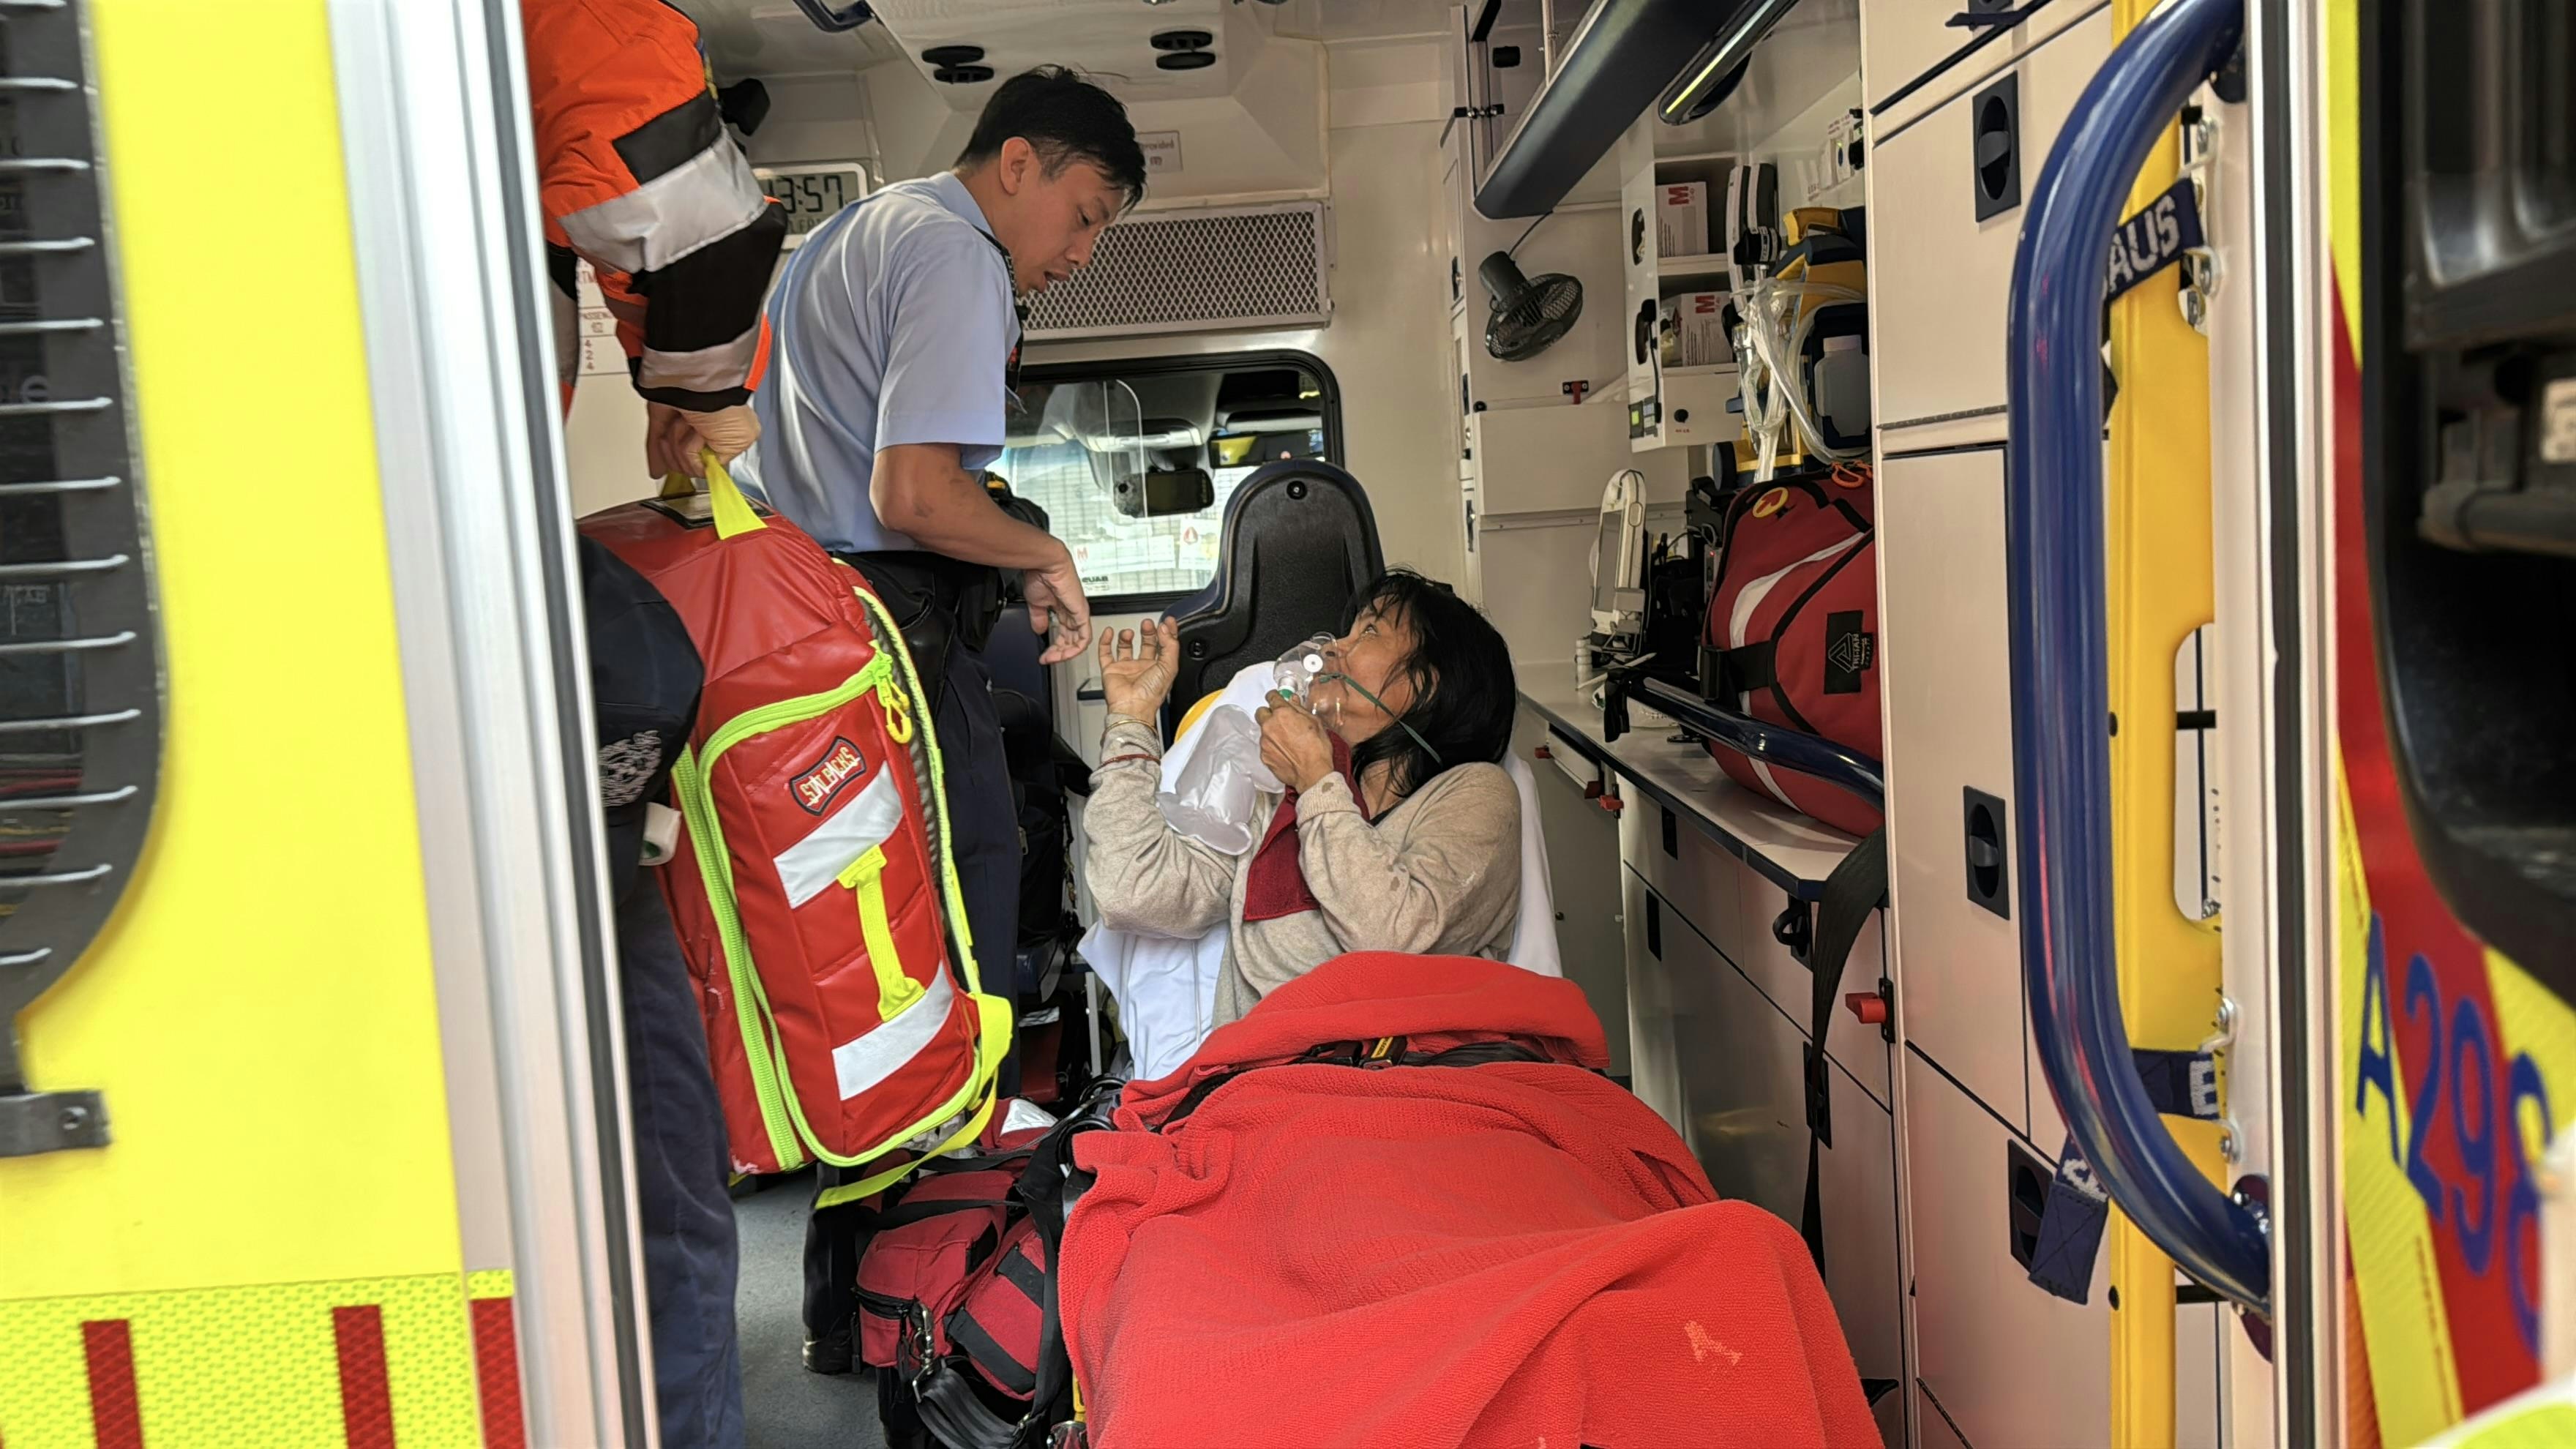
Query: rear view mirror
point(1165, 494)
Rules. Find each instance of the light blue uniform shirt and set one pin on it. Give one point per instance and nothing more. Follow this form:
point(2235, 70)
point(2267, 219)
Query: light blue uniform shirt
point(892, 324)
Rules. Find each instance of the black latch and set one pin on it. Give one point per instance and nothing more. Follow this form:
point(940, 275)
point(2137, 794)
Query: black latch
point(1795, 927)
point(1989, 873)
point(1990, 15)
point(1820, 1093)
point(2025, 1199)
point(1995, 142)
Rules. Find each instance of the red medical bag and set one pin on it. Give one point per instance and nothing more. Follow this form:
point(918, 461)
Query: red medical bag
point(1793, 629)
point(811, 887)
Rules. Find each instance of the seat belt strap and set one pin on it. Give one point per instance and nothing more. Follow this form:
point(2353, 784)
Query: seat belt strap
point(1857, 888)
point(2072, 1221)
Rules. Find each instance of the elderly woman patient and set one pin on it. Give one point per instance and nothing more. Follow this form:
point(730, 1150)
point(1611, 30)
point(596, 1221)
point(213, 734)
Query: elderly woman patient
point(1400, 831)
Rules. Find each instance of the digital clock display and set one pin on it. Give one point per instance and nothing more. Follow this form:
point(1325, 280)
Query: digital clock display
point(812, 196)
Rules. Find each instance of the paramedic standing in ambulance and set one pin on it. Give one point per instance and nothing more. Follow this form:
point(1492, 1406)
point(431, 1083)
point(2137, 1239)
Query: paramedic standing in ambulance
point(897, 344)
point(637, 177)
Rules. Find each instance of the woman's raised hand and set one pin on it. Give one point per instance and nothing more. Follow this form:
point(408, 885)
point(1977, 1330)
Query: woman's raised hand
point(1137, 667)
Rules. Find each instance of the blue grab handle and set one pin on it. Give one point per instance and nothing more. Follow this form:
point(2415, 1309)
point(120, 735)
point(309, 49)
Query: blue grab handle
point(1821, 759)
point(2060, 687)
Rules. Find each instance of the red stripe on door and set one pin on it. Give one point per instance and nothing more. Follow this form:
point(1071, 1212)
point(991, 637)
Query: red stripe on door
point(496, 1370)
point(366, 1399)
point(115, 1413)
point(2490, 1357)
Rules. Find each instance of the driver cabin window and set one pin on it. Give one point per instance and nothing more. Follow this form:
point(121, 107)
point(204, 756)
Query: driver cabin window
point(1134, 461)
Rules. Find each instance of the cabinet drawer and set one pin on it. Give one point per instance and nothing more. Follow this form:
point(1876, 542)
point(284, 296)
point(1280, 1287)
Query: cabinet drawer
point(1579, 244)
point(1734, 907)
point(1856, 1197)
point(1860, 1046)
point(1679, 862)
point(1888, 1409)
point(1553, 458)
point(1903, 41)
point(1455, 206)
point(1948, 685)
point(1583, 874)
point(1914, 60)
point(1533, 585)
point(1732, 1087)
point(1944, 229)
point(1937, 1433)
point(1724, 1066)
point(2200, 1342)
point(2008, 1363)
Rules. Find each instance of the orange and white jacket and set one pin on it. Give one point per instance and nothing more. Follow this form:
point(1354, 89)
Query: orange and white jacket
point(638, 177)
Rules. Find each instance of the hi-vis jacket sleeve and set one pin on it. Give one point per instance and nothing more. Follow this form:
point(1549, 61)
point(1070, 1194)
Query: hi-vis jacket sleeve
point(638, 177)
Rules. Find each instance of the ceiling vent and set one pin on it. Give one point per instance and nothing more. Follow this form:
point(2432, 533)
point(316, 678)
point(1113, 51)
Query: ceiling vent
point(956, 65)
point(1221, 269)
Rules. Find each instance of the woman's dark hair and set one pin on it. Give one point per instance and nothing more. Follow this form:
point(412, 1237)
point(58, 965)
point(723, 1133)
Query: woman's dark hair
point(1065, 119)
point(1461, 673)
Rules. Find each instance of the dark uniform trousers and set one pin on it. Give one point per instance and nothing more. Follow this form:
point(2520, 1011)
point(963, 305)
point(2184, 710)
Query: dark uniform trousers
point(645, 677)
point(681, 1164)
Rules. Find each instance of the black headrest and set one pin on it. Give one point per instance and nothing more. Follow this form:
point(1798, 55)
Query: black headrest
point(1298, 541)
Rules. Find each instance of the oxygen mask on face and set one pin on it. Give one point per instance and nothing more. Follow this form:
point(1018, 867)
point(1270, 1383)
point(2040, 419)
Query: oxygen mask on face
point(1318, 661)
point(1297, 670)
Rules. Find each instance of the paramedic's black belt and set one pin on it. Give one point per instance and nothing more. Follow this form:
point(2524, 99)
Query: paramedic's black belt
point(939, 603)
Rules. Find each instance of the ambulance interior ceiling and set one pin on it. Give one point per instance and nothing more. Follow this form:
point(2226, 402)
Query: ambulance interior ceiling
point(1112, 40)
point(1244, 94)
point(1246, 80)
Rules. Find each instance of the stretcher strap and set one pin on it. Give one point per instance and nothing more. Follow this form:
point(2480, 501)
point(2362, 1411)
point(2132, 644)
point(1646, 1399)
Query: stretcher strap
point(1742, 671)
point(2161, 234)
point(2180, 1084)
point(1857, 887)
point(980, 1345)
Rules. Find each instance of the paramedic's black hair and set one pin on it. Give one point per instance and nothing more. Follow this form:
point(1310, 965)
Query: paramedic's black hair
point(1066, 119)
point(1461, 672)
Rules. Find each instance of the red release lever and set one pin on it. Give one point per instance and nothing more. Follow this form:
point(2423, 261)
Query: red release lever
point(1544, 753)
point(1868, 1006)
point(1613, 804)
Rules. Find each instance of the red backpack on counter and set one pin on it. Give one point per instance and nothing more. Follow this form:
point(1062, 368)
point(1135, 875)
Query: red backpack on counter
point(811, 887)
point(1793, 629)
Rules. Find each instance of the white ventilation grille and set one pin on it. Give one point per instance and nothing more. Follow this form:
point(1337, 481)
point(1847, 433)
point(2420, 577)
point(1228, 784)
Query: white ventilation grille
point(1194, 271)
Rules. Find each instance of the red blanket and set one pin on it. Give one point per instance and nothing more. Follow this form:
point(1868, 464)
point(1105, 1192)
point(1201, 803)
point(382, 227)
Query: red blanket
point(1508, 1254)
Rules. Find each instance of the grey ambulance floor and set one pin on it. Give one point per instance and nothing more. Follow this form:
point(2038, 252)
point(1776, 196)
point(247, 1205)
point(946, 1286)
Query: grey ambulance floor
point(785, 1407)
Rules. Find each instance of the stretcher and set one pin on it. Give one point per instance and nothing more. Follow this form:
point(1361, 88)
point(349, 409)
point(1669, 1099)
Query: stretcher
point(1402, 1188)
